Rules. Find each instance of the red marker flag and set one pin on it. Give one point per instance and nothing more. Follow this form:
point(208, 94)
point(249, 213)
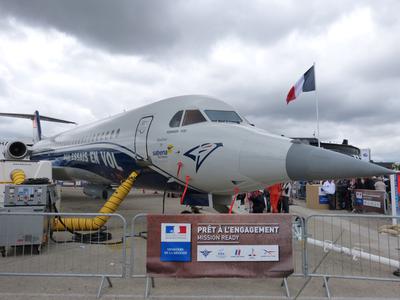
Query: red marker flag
point(306, 83)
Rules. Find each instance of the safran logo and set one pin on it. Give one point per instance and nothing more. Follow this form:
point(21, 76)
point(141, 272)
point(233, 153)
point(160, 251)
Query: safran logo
point(201, 152)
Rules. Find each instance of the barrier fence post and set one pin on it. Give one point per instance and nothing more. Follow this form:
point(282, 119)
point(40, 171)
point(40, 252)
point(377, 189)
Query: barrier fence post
point(133, 246)
point(304, 249)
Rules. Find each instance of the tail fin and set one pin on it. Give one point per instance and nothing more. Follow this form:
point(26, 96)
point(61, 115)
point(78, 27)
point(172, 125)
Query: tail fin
point(37, 128)
point(36, 118)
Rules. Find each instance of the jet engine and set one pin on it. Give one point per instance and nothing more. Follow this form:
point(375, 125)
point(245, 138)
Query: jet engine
point(15, 150)
point(98, 191)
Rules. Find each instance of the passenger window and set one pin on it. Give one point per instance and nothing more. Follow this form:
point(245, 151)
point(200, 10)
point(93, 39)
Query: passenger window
point(176, 119)
point(117, 133)
point(106, 136)
point(192, 117)
point(112, 135)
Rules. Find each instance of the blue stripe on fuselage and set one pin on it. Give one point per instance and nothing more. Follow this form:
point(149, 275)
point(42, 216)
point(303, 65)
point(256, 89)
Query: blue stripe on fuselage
point(74, 157)
point(109, 163)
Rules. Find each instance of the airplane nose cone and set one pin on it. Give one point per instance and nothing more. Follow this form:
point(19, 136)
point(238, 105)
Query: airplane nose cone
point(304, 162)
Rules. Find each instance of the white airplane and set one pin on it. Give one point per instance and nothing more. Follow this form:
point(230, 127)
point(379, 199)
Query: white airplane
point(194, 141)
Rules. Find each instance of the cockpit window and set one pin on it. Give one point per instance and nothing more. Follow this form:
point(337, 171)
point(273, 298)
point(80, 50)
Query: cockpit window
point(193, 116)
point(223, 116)
point(176, 119)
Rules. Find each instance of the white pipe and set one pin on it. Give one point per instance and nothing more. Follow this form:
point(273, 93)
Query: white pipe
point(355, 252)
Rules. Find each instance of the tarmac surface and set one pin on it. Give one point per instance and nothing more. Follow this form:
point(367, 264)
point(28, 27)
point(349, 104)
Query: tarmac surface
point(106, 258)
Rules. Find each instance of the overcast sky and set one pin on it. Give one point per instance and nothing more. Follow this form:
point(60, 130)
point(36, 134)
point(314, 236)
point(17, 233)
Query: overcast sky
point(84, 60)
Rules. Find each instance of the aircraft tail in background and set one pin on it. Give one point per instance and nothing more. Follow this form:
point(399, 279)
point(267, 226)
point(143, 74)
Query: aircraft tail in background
point(36, 118)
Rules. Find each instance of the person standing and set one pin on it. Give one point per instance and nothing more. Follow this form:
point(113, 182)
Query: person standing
point(257, 199)
point(330, 189)
point(274, 195)
point(380, 185)
point(267, 200)
point(286, 192)
point(369, 184)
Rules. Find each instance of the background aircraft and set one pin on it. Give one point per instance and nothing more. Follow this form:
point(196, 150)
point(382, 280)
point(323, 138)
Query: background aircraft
point(189, 141)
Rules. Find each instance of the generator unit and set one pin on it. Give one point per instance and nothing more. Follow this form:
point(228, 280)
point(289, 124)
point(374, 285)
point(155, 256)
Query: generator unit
point(32, 169)
point(25, 225)
point(22, 222)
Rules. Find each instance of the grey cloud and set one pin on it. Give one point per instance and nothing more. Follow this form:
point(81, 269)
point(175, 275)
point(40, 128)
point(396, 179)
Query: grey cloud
point(115, 25)
point(159, 28)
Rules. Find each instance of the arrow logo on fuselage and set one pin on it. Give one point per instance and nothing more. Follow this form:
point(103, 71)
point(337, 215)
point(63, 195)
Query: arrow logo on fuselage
point(201, 152)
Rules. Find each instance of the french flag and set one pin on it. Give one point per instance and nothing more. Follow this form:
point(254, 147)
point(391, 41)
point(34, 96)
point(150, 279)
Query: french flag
point(175, 229)
point(306, 83)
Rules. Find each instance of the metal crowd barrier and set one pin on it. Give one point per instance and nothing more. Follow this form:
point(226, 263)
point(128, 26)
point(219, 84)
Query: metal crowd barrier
point(64, 254)
point(350, 247)
point(343, 246)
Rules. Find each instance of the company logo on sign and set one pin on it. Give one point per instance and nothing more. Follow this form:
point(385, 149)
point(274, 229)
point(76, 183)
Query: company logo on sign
point(269, 252)
point(221, 252)
point(252, 252)
point(175, 229)
point(200, 153)
point(175, 242)
point(175, 233)
point(205, 252)
point(238, 253)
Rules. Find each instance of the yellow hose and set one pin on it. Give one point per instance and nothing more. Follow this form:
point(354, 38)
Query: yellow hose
point(112, 204)
point(17, 176)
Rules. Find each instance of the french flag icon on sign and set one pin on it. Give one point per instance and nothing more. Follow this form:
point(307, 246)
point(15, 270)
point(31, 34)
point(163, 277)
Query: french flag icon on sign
point(169, 229)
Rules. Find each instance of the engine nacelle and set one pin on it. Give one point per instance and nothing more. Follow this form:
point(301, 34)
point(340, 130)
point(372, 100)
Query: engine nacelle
point(15, 150)
point(98, 191)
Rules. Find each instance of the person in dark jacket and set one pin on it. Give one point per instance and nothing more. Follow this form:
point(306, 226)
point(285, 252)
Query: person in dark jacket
point(359, 184)
point(369, 184)
point(258, 202)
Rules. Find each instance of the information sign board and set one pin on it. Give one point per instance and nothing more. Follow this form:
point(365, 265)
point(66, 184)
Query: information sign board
point(220, 245)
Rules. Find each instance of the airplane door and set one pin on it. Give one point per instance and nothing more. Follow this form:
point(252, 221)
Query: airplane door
point(142, 131)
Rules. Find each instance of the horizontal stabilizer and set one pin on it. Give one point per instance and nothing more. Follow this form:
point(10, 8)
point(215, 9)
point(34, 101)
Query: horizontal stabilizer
point(32, 116)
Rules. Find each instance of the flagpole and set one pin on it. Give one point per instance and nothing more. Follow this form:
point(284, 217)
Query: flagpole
point(316, 106)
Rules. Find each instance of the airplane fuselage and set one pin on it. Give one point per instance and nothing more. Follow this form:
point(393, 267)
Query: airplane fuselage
point(207, 141)
point(194, 140)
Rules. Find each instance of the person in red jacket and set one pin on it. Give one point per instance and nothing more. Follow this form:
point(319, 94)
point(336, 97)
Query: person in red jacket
point(275, 192)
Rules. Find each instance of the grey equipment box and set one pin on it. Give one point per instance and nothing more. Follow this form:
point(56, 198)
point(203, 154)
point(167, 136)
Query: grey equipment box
point(32, 226)
point(29, 195)
point(23, 229)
